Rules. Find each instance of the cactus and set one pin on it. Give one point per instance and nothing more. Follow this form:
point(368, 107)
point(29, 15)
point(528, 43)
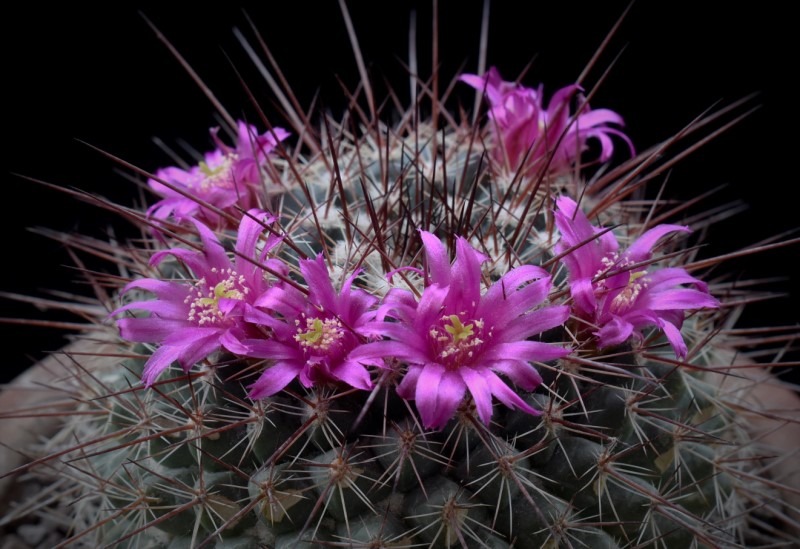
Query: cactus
point(437, 333)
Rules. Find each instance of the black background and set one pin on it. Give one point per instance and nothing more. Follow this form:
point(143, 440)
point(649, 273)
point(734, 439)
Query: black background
point(100, 75)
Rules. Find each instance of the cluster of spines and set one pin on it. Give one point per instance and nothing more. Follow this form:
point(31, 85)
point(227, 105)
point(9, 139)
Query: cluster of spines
point(193, 458)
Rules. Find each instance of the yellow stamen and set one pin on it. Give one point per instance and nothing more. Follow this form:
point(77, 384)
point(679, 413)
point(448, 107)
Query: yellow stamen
point(458, 330)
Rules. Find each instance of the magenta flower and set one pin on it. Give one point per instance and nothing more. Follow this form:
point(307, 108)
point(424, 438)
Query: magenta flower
point(312, 335)
point(193, 318)
point(228, 177)
point(521, 124)
point(614, 295)
point(455, 340)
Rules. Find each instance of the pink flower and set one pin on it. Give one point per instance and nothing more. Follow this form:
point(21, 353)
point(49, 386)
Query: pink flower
point(227, 178)
point(312, 335)
point(192, 319)
point(522, 125)
point(455, 340)
point(620, 300)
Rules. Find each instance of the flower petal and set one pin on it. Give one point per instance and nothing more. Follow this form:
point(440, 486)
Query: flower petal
point(451, 393)
point(213, 250)
point(641, 249)
point(675, 339)
point(615, 332)
point(149, 330)
point(352, 373)
point(465, 277)
point(535, 323)
point(273, 379)
point(158, 362)
point(521, 372)
point(321, 291)
point(407, 388)
point(525, 350)
point(437, 259)
point(427, 392)
point(679, 299)
point(506, 395)
point(480, 392)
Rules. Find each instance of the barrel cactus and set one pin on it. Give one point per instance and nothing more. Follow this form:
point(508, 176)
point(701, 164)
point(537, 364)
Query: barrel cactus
point(447, 332)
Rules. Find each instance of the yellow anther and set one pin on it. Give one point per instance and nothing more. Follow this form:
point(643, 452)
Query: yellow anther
point(204, 307)
point(636, 276)
point(320, 335)
point(313, 335)
point(209, 171)
point(457, 330)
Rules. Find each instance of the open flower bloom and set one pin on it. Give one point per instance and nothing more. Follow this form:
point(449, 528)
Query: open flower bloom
point(456, 340)
point(193, 318)
point(523, 126)
point(227, 177)
point(312, 335)
point(615, 295)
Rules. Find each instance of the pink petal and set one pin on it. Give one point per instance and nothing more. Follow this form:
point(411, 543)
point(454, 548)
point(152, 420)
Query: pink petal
point(260, 318)
point(438, 262)
point(271, 350)
point(525, 350)
point(512, 281)
point(672, 276)
point(321, 292)
point(451, 393)
point(505, 301)
point(679, 299)
point(675, 339)
point(506, 395)
point(273, 379)
point(250, 229)
point(387, 349)
point(427, 392)
point(480, 392)
point(614, 332)
point(598, 117)
point(407, 387)
point(352, 373)
point(536, 322)
point(430, 308)
point(173, 310)
point(161, 288)
point(477, 82)
point(465, 276)
point(192, 259)
point(149, 330)
point(233, 343)
point(158, 362)
point(522, 373)
point(213, 251)
point(198, 350)
point(582, 291)
point(642, 248)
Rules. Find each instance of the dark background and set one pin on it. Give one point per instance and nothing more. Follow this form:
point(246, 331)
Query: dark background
point(100, 75)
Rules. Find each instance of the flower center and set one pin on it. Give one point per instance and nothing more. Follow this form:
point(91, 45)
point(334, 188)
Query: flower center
point(627, 297)
point(319, 335)
point(204, 300)
point(457, 342)
point(217, 175)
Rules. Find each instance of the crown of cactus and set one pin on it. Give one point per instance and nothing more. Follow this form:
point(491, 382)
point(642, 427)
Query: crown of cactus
point(436, 333)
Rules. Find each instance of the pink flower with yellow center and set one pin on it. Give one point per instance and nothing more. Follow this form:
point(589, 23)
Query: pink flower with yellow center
point(617, 295)
point(227, 178)
point(313, 335)
point(191, 319)
point(456, 340)
point(523, 126)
